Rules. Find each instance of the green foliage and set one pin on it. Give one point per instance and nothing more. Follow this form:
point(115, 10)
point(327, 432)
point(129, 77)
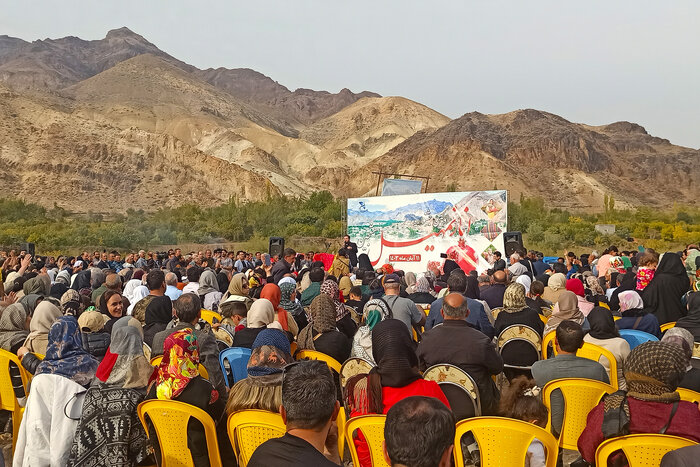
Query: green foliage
point(319, 215)
point(551, 230)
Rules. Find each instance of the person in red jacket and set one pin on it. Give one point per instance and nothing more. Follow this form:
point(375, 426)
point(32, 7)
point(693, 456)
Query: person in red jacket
point(650, 405)
point(395, 378)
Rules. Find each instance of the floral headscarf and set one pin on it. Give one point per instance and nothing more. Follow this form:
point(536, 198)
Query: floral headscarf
point(422, 285)
point(287, 290)
point(65, 355)
point(331, 289)
point(321, 319)
point(179, 365)
point(630, 300)
point(594, 285)
point(514, 298)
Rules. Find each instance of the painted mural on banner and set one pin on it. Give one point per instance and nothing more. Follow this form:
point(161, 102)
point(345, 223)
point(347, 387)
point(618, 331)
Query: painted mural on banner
point(411, 231)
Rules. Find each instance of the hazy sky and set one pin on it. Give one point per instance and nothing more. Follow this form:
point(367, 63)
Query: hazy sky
point(593, 62)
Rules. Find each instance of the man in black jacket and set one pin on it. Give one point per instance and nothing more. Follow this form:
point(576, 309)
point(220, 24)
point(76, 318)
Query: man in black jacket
point(283, 266)
point(457, 342)
point(351, 248)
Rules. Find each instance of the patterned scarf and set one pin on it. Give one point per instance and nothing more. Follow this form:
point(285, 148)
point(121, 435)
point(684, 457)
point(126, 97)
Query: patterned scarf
point(331, 289)
point(287, 290)
point(321, 319)
point(644, 276)
point(179, 365)
point(422, 285)
point(514, 298)
point(65, 355)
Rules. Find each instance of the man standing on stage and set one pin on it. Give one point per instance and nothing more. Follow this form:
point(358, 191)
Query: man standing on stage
point(351, 248)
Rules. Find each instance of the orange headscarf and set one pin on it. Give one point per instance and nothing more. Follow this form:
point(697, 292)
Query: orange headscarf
point(273, 293)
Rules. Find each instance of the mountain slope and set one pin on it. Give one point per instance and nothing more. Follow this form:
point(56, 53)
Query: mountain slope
point(541, 154)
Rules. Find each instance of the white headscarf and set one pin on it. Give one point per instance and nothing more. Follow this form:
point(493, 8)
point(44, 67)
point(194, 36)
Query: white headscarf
point(525, 281)
point(139, 294)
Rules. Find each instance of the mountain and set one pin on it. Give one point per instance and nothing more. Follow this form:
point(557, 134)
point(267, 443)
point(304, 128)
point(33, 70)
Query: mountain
point(410, 211)
point(542, 154)
point(96, 125)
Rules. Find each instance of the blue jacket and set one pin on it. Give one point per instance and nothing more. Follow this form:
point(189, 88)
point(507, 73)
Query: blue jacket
point(477, 316)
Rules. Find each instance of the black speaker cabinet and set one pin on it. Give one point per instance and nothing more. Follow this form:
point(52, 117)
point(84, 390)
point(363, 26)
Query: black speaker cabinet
point(276, 246)
point(512, 241)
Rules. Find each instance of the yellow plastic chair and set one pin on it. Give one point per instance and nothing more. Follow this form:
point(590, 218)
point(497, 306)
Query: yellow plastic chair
point(594, 352)
point(615, 318)
point(340, 422)
point(548, 340)
point(155, 361)
point(8, 401)
point(696, 349)
point(169, 420)
point(667, 326)
point(332, 363)
point(604, 305)
point(544, 319)
point(372, 427)
point(688, 395)
point(504, 441)
point(496, 311)
point(580, 397)
point(248, 429)
point(642, 450)
point(208, 316)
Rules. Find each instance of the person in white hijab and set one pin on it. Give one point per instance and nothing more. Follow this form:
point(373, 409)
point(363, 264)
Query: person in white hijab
point(139, 293)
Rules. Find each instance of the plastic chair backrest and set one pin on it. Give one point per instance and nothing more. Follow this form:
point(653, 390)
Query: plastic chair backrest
point(341, 421)
point(237, 358)
point(696, 349)
point(667, 326)
point(580, 397)
point(615, 318)
point(353, 366)
point(504, 441)
point(8, 401)
point(155, 361)
point(147, 351)
point(688, 395)
point(208, 316)
point(641, 450)
point(594, 352)
point(544, 319)
point(519, 332)
point(372, 428)
point(496, 311)
point(248, 429)
point(169, 419)
point(446, 373)
point(546, 341)
point(634, 337)
point(315, 355)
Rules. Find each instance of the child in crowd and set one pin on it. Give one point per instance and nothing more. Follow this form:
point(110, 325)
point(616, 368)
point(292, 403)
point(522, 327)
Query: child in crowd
point(647, 267)
point(234, 314)
point(521, 400)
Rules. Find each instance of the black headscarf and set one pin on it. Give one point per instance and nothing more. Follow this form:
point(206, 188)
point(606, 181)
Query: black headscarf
point(662, 296)
point(159, 312)
point(602, 323)
point(691, 321)
point(629, 282)
point(363, 263)
point(448, 268)
point(473, 288)
point(222, 281)
point(82, 281)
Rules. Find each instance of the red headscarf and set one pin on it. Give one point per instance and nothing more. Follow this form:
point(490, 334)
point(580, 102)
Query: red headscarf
point(575, 286)
point(273, 293)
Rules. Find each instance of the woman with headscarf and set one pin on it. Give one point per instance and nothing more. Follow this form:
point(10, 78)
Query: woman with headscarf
point(594, 291)
point(576, 286)
point(651, 405)
point(691, 321)
point(516, 312)
point(345, 284)
point(364, 263)
point(14, 322)
point(39, 285)
point(421, 292)
point(395, 378)
point(53, 408)
point(81, 281)
point(209, 290)
point(604, 334)
point(663, 295)
point(238, 290)
point(343, 318)
point(131, 286)
point(289, 302)
point(109, 431)
point(113, 307)
point(158, 314)
point(60, 286)
point(374, 312)
point(321, 333)
point(316, 276)
point(45, 315)
point(684, 339)
point(262, 389)
point(260, 316)
point(634, 316)
point(410, 279)
point(555, 286)
point(272, 293)
point(137, 307)
point(177, 378)
point(565, 309)
point(222, 279)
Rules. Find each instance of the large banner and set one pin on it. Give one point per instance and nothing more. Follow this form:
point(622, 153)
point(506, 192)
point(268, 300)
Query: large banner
point(394, 186)
point(411, 231)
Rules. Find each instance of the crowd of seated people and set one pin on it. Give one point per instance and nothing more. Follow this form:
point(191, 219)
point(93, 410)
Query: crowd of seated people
point(85, 328)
